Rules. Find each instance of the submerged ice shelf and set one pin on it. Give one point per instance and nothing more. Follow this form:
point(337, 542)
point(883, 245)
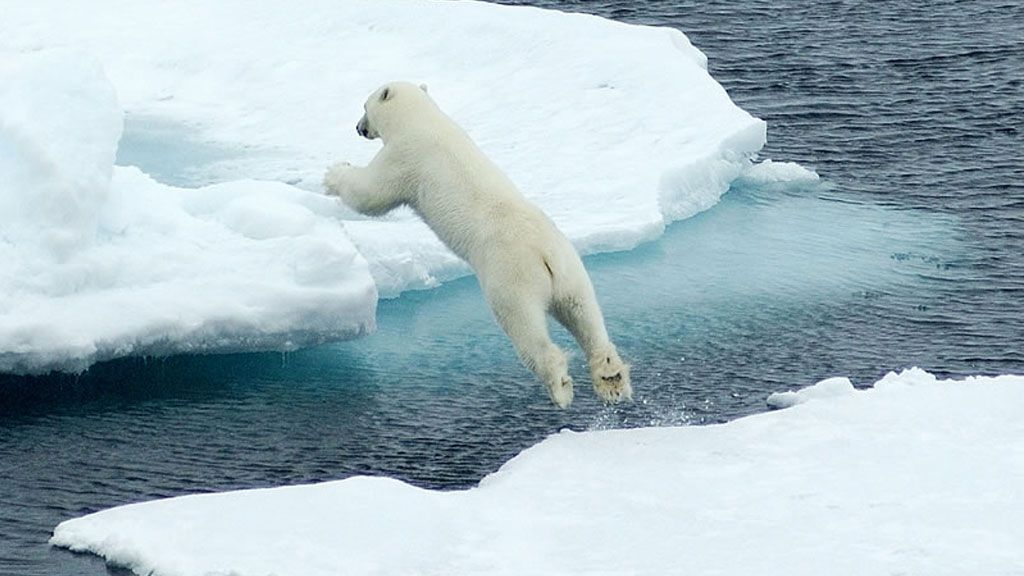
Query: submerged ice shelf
point(917, 475)
point(104, 261)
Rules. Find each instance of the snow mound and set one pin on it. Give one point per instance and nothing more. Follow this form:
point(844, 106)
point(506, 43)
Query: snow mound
point(829, 388)
point(916, 476)
point(59, 127)
point(102, 261)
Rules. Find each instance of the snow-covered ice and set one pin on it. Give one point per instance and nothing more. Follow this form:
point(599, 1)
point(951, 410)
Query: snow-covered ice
point(915, 476)
point(614, 129)
point(99, 262)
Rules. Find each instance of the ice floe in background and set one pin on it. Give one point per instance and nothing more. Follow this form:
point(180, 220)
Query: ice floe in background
point(613, 129)
point(917, 476)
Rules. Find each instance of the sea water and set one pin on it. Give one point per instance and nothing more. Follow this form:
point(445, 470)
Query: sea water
point(908, 251)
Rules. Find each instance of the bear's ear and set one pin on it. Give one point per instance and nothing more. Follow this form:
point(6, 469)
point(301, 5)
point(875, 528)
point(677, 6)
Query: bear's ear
point(385, 94)
point(423, 87)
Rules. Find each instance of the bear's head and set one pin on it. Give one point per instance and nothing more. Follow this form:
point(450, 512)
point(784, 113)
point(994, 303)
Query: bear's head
point(386, 107)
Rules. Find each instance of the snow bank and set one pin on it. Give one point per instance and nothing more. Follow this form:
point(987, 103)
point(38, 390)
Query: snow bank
point(613, 129)
point(915, 476)
point(98, 262)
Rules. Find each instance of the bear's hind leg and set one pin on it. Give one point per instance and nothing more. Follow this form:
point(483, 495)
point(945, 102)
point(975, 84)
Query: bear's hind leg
point(525, 322)
point(580, 314)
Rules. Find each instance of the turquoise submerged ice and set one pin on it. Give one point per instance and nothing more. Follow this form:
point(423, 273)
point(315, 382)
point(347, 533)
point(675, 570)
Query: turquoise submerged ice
point(116, 261)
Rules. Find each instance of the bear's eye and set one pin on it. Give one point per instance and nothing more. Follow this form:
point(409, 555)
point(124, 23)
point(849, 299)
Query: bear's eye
point(385, 94)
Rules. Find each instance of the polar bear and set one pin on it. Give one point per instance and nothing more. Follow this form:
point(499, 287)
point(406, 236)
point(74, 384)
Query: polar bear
point(526, 267)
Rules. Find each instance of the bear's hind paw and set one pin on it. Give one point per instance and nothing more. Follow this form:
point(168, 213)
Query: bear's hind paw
point(611, 381)
point(561, 392)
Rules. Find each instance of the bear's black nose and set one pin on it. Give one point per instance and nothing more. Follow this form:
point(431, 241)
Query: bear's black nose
point(360, 130)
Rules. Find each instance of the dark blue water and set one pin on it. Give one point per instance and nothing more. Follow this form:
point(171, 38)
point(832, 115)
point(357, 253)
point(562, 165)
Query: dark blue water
point(909, 252)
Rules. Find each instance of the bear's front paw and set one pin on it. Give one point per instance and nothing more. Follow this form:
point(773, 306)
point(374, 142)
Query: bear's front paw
point(334, 179)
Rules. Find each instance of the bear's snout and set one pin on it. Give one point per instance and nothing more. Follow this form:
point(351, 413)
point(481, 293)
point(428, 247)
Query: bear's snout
point(361, 128)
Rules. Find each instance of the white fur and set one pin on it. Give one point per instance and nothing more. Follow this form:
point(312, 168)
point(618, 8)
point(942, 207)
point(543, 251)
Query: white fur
point(526, 266)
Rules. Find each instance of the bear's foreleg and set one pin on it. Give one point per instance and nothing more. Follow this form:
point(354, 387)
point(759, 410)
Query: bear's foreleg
point(360, 191)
